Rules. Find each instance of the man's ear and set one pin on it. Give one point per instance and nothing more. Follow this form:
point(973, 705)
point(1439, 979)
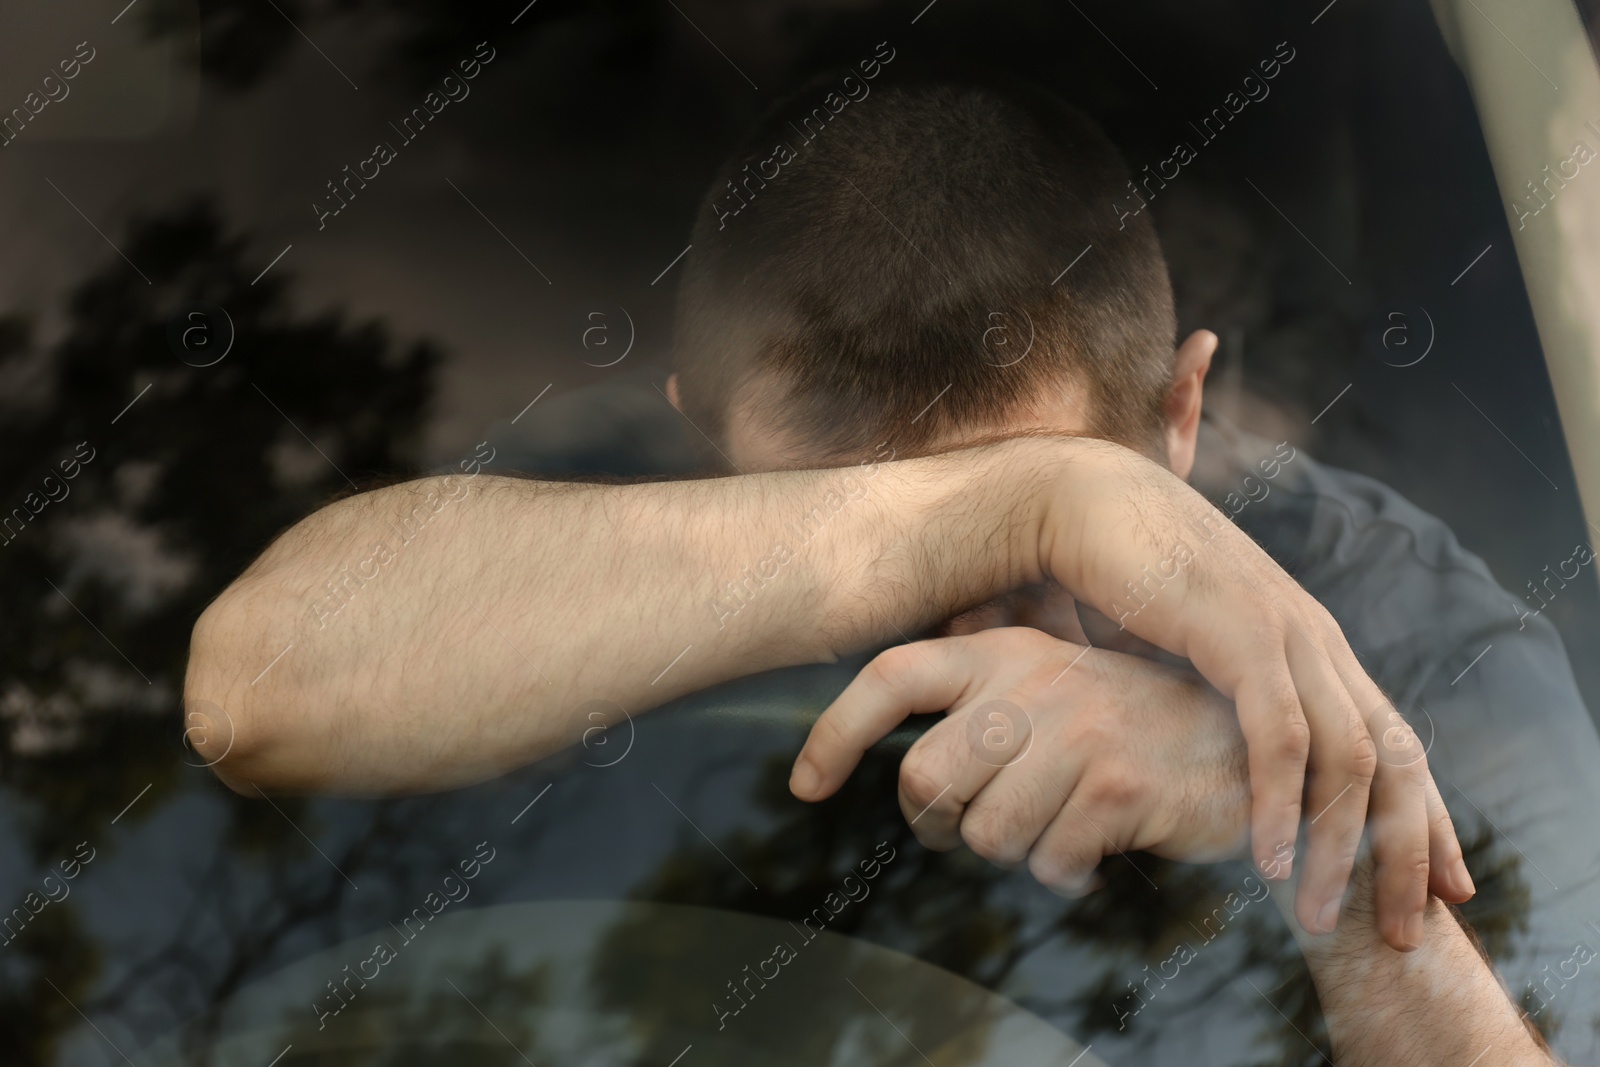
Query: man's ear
point(1184, 396)
point(672, 391)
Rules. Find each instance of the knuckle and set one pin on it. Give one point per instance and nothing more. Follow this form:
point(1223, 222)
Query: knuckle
point(1039, 867)
point(1344, 863)
point(1397, 737)
point(1014, 637)
point(1058, 869)
point(1110, 791)
point(1409, 870)
point(990, 837)
point(921, 779)
point(1102, 720)
point(897, 668)
point(1048, 866)
point(1294, 738)
point(1037, 641)
point(986, 839)
point(1363, 759)
point(1278, 631)
point(1088, 730)
point(1321, 620)
point(1444, 828)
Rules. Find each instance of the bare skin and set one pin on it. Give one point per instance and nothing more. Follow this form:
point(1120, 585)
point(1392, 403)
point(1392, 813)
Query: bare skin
point(480, 644)
point(1053, 755)
point(1413, 842)
point(1440, 1006)
point(477, 641)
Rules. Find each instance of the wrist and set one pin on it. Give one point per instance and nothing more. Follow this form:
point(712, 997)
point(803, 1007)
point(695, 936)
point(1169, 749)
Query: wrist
point(1441, 1004)
point(937, 535)
point(1074, 478)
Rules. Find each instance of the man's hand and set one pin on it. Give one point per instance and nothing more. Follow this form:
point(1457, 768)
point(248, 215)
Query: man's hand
point(1051, 753)
point(1057, 755)
point(1129, 538)
point(1325, 743)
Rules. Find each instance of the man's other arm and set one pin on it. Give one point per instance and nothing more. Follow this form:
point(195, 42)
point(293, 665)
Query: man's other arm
point(1440, 1005)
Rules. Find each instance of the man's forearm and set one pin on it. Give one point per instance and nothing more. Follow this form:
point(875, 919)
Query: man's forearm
point(1439, 1005)
point(442, 631)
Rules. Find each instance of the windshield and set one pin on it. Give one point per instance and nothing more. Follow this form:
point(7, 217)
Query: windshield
point(261, 256)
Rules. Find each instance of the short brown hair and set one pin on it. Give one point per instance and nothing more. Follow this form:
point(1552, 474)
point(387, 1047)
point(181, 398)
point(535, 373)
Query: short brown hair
point(872, 271)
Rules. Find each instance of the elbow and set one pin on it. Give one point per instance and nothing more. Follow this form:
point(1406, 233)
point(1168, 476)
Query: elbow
point(210, 733)
point(230, 725)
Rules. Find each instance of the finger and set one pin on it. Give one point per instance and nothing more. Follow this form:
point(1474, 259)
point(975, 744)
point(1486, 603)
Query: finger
point(1400, 851)
point(1399, 747)
point(938, 777)
point(1448, 877)
point(1278, 742)
point(1398, 744)
point(907, 679)
point(1010, 813)
point(1339, 782)
point(1065, 856)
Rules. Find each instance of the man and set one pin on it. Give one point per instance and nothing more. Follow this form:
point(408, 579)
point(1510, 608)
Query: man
point(814, 329)
point(805, 343)
point(459, 651)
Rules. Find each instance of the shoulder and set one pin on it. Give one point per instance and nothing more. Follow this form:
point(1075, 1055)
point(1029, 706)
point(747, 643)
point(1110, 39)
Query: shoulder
point(1410, 598)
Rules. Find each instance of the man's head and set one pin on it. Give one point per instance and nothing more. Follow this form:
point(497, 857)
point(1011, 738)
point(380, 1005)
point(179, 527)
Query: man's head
point(927, 264)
